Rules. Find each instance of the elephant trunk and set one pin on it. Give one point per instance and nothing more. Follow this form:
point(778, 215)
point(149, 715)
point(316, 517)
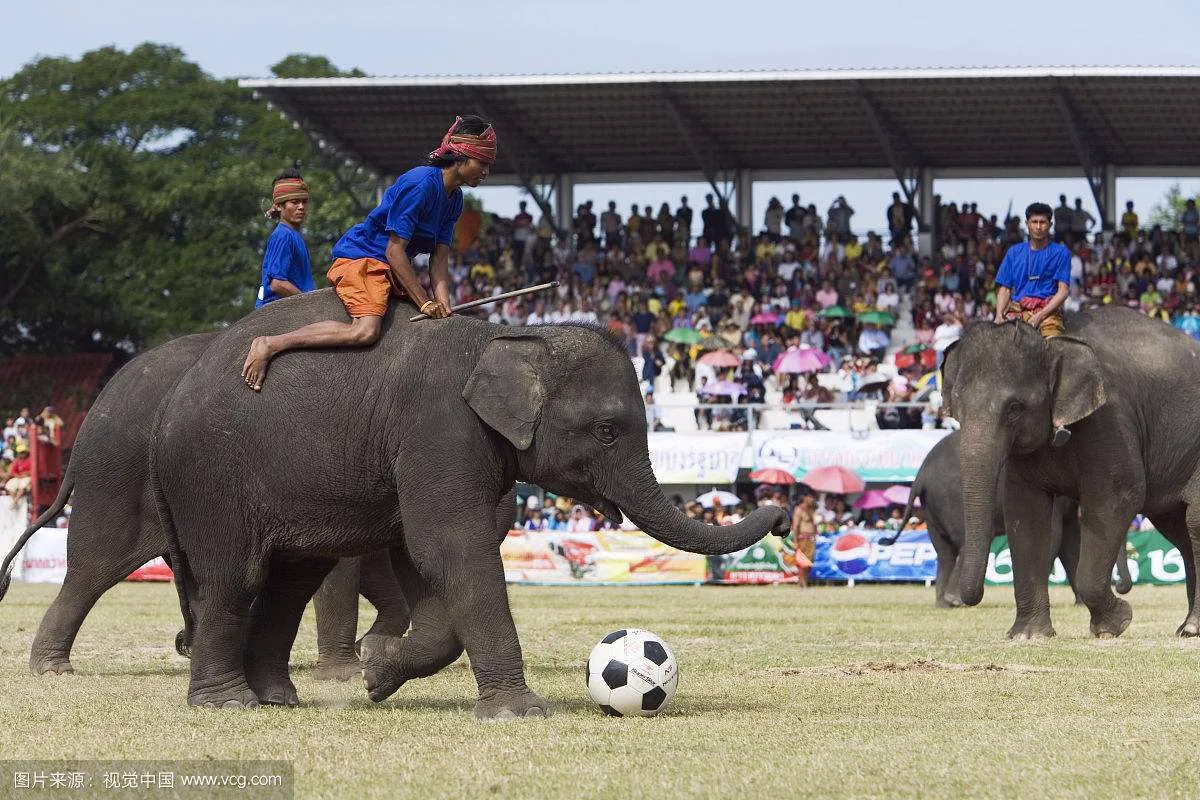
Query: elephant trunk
point(982, 460)
point(642, 499)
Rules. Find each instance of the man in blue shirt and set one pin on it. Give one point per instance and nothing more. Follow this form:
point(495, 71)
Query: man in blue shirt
point(286, 269)
point(1034, 281)
point(1034, 278)
point(373, 259)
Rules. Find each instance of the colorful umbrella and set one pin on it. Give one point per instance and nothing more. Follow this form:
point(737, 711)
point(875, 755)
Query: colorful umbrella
point(877, 318)
point(897, 494)
point(872, 499)
point(764, 318)
point(727, 499)
point(724, 387)
point(833, 479)
point(773, 475)
point(683, 336)
point(834, 311)
point(720, 358)
point(801, 359)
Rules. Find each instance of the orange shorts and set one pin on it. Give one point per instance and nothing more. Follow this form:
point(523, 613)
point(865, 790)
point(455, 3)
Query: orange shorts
point(363, 284)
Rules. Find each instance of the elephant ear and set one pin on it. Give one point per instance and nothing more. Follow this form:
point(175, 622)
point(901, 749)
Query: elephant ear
point(1077, 382)
point(507, 390)
point(949, 373)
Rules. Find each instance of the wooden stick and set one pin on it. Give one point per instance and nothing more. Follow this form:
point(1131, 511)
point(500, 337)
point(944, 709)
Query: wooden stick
point(484, 301)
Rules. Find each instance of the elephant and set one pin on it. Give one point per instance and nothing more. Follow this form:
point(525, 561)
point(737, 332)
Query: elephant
point(115, 529)
point(409, 443)
point(939, 488)
point(1117, 381)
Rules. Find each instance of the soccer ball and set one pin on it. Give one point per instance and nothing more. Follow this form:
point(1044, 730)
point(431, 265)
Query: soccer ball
point(632, 673)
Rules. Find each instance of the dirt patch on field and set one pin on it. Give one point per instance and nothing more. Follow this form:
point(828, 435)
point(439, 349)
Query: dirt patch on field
point(919, 665)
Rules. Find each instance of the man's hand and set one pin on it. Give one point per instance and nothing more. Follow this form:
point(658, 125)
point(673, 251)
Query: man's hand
point(435, 309)
point(1036, 320)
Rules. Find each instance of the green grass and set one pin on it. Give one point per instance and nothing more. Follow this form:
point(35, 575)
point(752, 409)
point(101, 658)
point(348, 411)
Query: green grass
point(825, 692)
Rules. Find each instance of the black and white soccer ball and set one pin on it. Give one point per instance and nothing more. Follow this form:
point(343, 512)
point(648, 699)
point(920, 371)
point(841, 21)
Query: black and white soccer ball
point(632, 673)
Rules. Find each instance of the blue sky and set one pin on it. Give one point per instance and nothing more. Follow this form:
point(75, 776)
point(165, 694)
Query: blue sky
point(242, 39)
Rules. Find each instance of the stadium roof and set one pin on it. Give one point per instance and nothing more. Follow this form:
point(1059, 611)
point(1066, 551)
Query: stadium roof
point(1017, 121)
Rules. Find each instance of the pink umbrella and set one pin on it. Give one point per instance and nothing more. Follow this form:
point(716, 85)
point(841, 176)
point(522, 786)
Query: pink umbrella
point(724, 387)
point(720, 358)
point(764, 318)
point(772, 475)
point(833, 479)
point(872, 499)
point(803, 359)
point(897, 494)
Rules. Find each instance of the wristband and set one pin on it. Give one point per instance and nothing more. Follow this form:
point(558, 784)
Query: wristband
point(427, 303)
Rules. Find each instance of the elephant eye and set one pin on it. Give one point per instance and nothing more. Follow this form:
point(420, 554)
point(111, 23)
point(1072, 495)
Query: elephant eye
point(606, 432)
point(1014, 409)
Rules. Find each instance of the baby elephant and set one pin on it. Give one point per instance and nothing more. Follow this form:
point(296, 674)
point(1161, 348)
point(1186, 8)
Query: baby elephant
point(939, 485)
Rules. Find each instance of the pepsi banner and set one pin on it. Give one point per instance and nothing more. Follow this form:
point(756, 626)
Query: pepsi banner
point(857, 555)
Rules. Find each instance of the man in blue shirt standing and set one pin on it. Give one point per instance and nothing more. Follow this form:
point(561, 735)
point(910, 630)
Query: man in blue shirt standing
point(1034, 281)
point(373, 260)
point(286, 269)
point(1034, 278)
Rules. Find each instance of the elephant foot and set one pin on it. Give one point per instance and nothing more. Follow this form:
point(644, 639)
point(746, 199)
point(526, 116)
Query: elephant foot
point(336, 668)
point(1113, 622)
point(949, 601)
point(51, 665)
point(237, 694)
point(1030, 629)
point(1189, 629)
point(272, 687)
point(506, 705)
point(183, 645)
point(379, 669)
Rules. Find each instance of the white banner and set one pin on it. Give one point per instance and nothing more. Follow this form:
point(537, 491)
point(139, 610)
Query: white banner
point(12, 525)
point(880, 456)
point(710, 458)
point(45, 556)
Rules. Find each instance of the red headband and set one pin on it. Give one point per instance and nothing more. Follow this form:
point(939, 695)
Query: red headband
point(481, 146)
point(289, 189)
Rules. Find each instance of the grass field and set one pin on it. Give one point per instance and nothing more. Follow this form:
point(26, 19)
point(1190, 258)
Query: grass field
point(825, 692)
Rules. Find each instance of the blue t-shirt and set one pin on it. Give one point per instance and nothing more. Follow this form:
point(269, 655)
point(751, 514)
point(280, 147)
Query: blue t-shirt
point(287, 260)
point(1034, 273)
point(415, 208)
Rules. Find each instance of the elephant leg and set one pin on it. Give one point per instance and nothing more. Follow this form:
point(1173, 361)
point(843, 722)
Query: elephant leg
point(1191, 625)
point(336, 606)
point(1173, 527)
point(390, 660)
point(274, 620)
point(945, 589)
point(380, 584)
point(469, 579)
point(1104, 521)
point(1027, 520)
point(1067, 536)
point(89, 575)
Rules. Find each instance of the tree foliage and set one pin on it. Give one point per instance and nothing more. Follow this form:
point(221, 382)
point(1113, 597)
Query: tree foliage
point(132, 192)
point(1168, 212)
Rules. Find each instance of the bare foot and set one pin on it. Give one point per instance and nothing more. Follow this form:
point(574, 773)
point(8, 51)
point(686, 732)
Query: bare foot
point(255, 368)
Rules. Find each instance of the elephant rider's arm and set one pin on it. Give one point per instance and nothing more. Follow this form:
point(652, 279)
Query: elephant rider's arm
point(1060, 297)
point(1003, 296)
point(282, 288)
point(403, 273)
point(439, 275)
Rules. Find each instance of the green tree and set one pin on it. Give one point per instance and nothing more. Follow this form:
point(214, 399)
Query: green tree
point(132, 191)
point(1168, 211)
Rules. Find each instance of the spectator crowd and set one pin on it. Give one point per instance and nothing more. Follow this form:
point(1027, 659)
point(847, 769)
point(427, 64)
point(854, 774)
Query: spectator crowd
point(16, 466)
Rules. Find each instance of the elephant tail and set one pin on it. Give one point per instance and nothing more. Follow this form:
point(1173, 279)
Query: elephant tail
point(913, 493)
point(60, 502)
point(174, 551)
point(1124, 579)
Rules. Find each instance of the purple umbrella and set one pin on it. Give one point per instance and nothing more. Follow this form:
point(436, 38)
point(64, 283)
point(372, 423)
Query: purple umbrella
point(801, 359)
point(724, 387)
point(872, 499)
point(764, 318)
point(898, 494)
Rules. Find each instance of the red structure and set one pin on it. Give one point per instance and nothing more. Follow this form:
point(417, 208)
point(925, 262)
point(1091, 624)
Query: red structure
point(47, 474)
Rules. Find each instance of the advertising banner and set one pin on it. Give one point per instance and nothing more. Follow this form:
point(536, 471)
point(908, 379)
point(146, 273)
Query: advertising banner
point(1152, 560)
point(44, 559)
point(769, 561)
point(857, 555)
point(711, 458)
point(596, 558)
point(881, 456)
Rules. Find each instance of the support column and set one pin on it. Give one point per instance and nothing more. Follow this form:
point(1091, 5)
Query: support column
point(564, 203)
point(925, 211)
point(743, 197)
point(1109, 192)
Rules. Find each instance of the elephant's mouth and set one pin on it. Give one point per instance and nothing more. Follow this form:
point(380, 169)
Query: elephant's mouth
point(610, 511)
